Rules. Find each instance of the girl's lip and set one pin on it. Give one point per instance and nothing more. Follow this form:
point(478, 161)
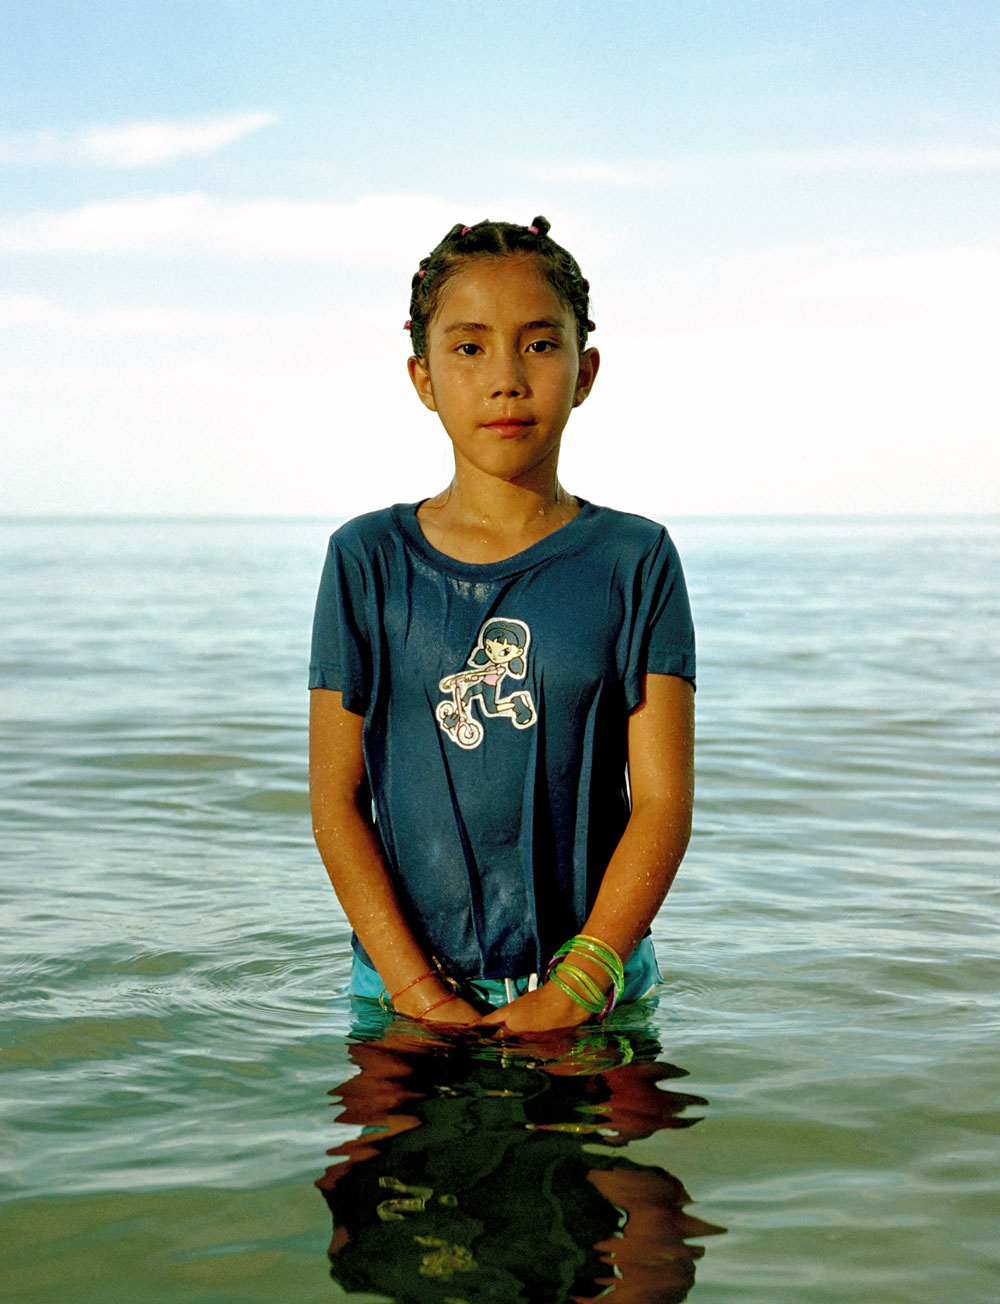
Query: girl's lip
point(511, 424)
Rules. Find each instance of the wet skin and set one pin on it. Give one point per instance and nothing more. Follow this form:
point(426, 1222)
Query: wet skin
point(503, 369)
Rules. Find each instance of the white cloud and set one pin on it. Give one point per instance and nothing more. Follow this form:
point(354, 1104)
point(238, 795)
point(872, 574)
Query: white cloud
point(958, 277)
point(136, 145)
point(291, 329)
point(36, 147)
point(147, 143)
point(19, 312)
point(371, 229)
point(25, 310)
point(774, 416)
point(809, 377)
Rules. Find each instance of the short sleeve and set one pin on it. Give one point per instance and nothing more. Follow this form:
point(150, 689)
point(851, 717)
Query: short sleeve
point(341, 655)
point(662, 636)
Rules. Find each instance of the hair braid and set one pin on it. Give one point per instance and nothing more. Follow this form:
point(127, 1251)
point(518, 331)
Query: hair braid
point(497, 240)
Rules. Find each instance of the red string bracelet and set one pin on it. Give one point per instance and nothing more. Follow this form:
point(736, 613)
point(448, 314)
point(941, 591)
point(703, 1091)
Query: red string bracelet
point(437, 1004)
point(429, 974)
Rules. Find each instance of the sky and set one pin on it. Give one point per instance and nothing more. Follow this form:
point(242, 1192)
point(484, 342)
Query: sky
point(210, 211)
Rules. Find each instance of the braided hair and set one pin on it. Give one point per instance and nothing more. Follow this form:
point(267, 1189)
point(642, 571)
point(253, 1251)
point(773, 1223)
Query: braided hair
point(496, 240)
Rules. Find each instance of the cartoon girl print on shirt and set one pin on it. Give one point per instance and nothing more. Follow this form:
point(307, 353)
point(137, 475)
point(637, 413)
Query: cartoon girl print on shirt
point(500, 652)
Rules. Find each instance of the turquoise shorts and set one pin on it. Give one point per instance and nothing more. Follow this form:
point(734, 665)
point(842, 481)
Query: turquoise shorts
point(641, 976)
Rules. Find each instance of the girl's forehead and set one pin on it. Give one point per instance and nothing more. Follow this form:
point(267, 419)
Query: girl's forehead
point(504, 284)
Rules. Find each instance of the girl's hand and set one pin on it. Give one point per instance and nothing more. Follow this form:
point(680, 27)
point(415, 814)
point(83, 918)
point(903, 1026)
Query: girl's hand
point(542, 1010)
point(454, 1011)
point(458, 1013)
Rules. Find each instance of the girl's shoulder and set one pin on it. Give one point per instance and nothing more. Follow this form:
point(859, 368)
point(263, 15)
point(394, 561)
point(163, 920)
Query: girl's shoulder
point(370, 530)
point(628, 531)
point(629, 522)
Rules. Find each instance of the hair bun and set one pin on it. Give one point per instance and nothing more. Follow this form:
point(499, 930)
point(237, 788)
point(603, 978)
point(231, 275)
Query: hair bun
point(542, 224)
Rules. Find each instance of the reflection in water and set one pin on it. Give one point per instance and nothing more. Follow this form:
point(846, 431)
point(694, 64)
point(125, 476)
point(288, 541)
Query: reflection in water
point(488, 1171)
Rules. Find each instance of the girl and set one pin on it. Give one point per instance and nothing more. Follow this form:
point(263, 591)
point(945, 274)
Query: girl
point(488, 665)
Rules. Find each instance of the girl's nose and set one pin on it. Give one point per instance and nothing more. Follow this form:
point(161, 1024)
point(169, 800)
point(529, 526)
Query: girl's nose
point(509, 377)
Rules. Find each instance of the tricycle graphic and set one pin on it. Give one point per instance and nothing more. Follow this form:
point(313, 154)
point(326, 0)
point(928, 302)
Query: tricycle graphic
point(499, 653)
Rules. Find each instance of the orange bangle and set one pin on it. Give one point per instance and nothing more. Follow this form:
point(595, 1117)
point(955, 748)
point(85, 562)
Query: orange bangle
point(429, 974)
point(437, 1004)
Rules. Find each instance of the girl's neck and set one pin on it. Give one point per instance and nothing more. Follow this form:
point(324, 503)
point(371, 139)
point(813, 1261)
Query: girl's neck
point(493, 520)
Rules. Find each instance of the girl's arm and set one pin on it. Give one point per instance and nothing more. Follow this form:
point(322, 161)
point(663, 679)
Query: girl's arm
point(357, 870)
point(661, 778)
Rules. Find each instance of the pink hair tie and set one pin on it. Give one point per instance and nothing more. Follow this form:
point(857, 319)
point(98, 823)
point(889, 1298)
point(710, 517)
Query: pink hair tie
point(591, 326)
point(407, 325)
point(533, 230)
point(466, 230)
point(422, 273)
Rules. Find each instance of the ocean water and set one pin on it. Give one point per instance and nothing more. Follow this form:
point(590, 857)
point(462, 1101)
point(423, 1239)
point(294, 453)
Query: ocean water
point(806, 1113)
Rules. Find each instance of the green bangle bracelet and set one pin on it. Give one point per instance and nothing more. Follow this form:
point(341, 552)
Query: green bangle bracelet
point(582, 987)
point(599, 960)
point(597, 947)
point(617, 980)
point(589, 1006)
point(584, 981)
point(584, 942)
point(606, 956)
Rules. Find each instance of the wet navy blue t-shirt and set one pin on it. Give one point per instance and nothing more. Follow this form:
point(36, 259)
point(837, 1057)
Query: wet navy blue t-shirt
point(495, 700)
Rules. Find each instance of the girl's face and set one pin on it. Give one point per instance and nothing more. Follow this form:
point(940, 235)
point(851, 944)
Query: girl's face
point(500, 651)
point(503, 368)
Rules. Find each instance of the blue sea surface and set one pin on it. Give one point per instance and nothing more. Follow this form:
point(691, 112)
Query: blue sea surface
point(806, 1112)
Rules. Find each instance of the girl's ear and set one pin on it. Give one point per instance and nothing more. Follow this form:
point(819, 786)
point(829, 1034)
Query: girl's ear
point(590, 361)
point(421, 379)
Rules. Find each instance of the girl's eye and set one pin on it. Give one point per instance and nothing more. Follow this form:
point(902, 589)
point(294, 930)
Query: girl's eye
point(468, 349)
point(542, 346)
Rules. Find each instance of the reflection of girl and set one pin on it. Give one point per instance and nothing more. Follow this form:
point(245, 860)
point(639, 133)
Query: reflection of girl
point(526, 1207)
